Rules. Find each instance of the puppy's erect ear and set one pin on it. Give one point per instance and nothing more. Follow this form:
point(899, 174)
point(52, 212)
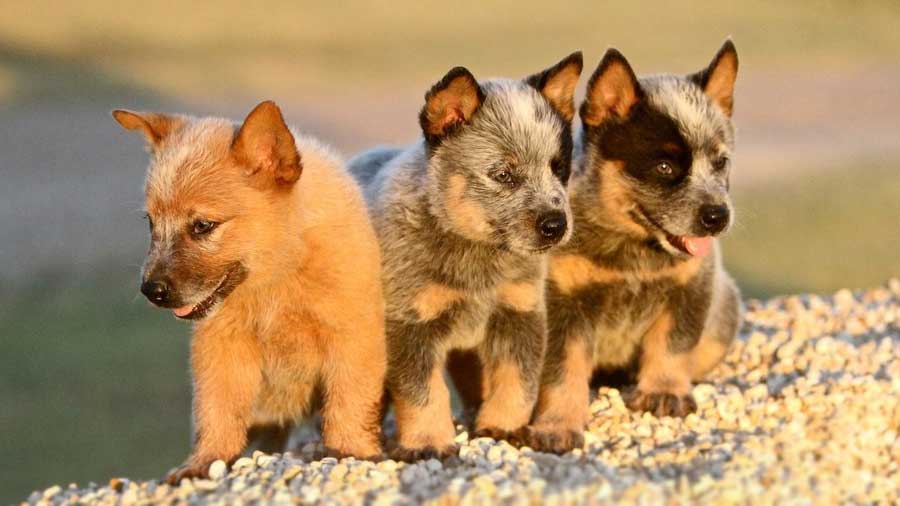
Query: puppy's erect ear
point(155, 126)
point(612, 91)
point(717, 80)
point(265, 145)
point(557, 84)
point(450, 103)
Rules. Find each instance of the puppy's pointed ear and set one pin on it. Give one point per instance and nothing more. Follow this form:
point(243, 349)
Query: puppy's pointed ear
point(156, 127)
point(557, 84)
point(612, 90)
point(265, 146)
point(450, 103)
point(717, 80)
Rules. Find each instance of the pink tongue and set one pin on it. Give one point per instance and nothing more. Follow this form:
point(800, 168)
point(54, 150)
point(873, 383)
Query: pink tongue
point(183, 311)
point(698, 246)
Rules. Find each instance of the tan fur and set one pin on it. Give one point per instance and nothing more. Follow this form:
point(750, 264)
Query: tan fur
point(429, 425)
point(521, 296)
point(612, 94)
point(563, 408)
point(309, 314)
point(616, 199)
point(720, 86)
point(466, 215)
point(456, 103)
point(570, 272)
point(711, 348)
point(560, 90)
point(506, 404)
point(660, 370)
point(155, 127)
point(434, 299)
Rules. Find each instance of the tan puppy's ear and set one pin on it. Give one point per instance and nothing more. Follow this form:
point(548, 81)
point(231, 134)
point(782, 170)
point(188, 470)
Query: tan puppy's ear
point(265, 146)
point(450, 103)
point(557, 84)
point(717, 80)
point(156, 127)
point(612, 90)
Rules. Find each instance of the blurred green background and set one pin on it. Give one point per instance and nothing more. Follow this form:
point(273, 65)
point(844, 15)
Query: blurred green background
point(94, 382)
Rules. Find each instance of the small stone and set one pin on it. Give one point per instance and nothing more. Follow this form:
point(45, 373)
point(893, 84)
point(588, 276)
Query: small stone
point(52, 491)
point(217, 470)
point(243, 463)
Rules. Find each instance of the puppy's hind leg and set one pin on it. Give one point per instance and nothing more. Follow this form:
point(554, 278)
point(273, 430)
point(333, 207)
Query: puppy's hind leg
point(465, 369)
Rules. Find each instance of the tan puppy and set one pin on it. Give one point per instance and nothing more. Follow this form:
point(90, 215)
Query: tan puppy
point(262, 238)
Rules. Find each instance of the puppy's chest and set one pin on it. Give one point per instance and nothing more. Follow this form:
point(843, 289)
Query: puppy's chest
point(613, 308)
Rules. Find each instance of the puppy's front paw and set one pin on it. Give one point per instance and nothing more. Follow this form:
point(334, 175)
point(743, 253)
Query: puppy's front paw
point(553, 438)
point(661, 403)
point(513, 437)
point(405, 454)
point(189, 470)
point(370, 454)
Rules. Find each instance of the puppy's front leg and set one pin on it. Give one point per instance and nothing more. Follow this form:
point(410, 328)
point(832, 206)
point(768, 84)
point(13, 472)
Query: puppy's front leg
point(226, 364)
point(512, 353)
point(354, 388)
point(563, 405)
point(664, 374)
point(416, 383)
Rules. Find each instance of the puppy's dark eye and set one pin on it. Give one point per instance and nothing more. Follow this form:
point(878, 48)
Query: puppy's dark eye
point(202, 227)
point(720, 163)
point(503, 176)
point(664, 168)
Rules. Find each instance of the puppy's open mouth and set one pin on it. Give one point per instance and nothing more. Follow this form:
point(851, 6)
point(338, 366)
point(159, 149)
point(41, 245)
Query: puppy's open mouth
point(694, 246)
point(232, 278)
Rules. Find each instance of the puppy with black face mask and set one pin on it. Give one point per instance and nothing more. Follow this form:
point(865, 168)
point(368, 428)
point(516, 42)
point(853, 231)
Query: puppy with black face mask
point(640, 291)
point(465, 218)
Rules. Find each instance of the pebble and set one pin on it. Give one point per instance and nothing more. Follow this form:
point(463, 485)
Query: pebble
point(804, 410)
point(217, 470)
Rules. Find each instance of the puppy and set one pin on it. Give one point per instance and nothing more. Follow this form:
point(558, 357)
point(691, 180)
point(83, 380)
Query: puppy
point(262, 239)
point(640, 291)
point(465, 217)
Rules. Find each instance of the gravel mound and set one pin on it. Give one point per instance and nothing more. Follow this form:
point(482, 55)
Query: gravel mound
point(805, 410)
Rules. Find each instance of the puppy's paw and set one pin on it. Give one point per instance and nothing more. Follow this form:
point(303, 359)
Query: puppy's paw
point(553, 438)
point(661, 403)
point(369, 454)
point(189, 470)
point(404, 454)
point(498, 434)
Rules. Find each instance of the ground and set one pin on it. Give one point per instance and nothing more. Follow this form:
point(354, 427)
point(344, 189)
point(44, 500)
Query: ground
point(804, 410)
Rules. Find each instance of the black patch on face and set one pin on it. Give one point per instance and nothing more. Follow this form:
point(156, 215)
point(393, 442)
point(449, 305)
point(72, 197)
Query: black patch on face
point(412, 353)
point(561, 165)
point(643, 140)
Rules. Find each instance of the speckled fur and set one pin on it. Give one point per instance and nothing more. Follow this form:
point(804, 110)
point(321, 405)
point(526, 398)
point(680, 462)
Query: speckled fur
point(464, 266)
point(618, 291)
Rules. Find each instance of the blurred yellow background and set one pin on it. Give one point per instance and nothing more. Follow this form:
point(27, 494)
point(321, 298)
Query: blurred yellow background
point(94, 383)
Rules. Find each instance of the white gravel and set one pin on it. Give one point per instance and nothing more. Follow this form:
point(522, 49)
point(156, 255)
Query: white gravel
point(805, 410)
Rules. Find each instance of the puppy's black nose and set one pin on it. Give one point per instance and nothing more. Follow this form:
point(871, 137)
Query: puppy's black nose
point(156, 291)
point(713, 218)
point(552, 225)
